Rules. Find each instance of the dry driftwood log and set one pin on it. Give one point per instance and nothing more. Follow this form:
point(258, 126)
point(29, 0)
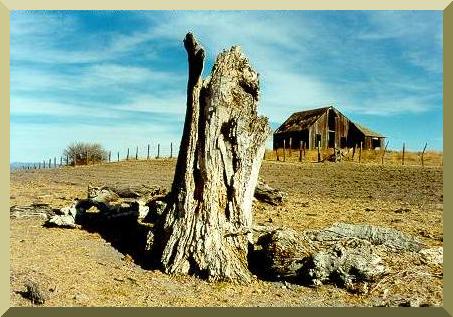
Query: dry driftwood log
point(34, 210)
point(267, 194)
point(347, 255)
point(110, 202)
point(206, 225)
point(125, 191)
point(263, 192)
point(388, 237)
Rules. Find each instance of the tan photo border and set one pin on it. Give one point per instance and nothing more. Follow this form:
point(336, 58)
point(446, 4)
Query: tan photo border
point(6, 6)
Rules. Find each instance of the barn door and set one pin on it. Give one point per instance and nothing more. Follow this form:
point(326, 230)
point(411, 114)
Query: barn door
point(331, 139)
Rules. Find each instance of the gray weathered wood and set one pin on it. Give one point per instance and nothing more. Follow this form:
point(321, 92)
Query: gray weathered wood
point(404, 150)
point(319, 153)
point(206, 227)
point(284, 150)
point(267, 194)
point(383, 153)
point(360, 153)
point(423, 153)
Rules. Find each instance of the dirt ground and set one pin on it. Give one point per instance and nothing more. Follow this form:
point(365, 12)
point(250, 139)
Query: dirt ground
point(80, 268)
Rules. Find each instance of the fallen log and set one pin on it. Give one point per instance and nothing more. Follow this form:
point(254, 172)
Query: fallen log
point(109, 202)
point(263, 192)
point(34, 210)
point(267, 194)
point(346, 255)
point(389, 237)
point(126, 191)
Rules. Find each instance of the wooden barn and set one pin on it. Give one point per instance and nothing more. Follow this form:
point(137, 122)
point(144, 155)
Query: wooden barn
point(326, 126)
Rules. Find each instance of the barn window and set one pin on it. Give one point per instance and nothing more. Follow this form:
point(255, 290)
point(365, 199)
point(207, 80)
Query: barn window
point(375, 142)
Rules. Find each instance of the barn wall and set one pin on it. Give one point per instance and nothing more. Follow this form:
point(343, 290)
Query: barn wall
point(341, 128)
point(319, 127)
point(355, 136)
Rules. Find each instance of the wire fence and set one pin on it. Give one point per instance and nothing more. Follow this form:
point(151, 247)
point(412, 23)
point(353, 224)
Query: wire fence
point(133, 153)
point(356, 154)
point(301, 154)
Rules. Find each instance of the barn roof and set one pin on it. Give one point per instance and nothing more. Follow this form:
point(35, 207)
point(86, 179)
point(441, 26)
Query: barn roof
point(301, 120)
point(366, 131)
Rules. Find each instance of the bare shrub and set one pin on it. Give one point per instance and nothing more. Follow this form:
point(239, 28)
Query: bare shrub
point(82, 153)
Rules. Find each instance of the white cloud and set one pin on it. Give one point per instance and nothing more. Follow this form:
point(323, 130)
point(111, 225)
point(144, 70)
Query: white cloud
point(33, 106)
point(173, 103)
point(303, 62)
point(117, 77)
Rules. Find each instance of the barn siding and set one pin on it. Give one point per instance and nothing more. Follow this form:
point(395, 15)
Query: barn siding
point(321, 126)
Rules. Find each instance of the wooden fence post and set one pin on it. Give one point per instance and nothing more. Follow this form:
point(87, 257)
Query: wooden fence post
point(136, 153)
point(383, 154)
point(127, 156)
point(319, 153)
point(284, 150)
point(276, 154)
point(404, 150)
point(67, 159)
point(61, 161)
point(290, 146)
point(54, 162)
point(118, 156)
point(300, 151)
point(158, 150)
point(171, 149)
point(147, 156)
point(304, 147)
point(423, 153)
point(50, 163)
point(360, 152)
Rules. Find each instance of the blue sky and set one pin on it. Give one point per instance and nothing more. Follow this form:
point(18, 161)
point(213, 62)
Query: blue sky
point(119, 78)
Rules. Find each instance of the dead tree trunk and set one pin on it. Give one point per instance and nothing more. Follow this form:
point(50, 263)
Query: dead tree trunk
point(206, 227)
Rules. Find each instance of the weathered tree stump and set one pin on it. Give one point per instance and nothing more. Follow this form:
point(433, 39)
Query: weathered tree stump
point(206, 227)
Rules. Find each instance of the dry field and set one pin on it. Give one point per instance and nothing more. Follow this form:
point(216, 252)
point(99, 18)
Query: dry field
point(430, 158)
point(81, 268)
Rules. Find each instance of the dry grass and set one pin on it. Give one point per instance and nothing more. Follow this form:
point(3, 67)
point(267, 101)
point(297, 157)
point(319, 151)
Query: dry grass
point(430, 158)
point(87, 271)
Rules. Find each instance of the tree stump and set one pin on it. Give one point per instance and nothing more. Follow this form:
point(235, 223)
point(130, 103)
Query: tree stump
point(206, 227)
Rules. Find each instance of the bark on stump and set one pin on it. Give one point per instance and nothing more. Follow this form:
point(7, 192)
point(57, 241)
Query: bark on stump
point(207, 225)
